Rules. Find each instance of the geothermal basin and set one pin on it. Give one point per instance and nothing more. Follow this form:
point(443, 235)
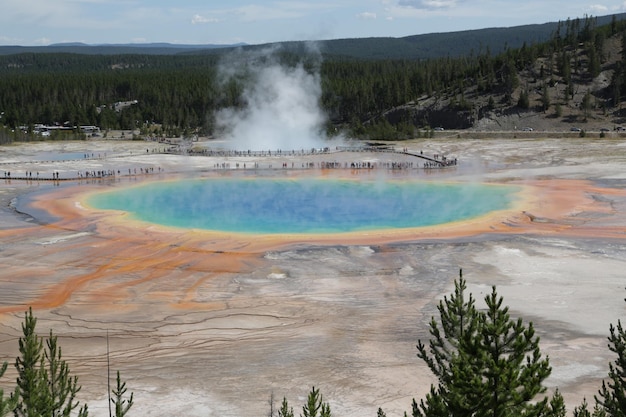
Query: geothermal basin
point(215, 322)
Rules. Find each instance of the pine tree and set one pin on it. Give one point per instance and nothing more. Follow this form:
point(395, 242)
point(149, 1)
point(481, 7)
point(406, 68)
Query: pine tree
point(458, 318)
point(325, 410)
point(315, 404)
point(509, 364)
point(612, 396)
point(582, 410)
point(62, 388)
point(523, 101)
point(285, 410)
point(545, 98)
point(44, 386)
point(122, 405)
point(486, 363)
point(30, 389)
point(557, 405)
point(6, 404)
point(586, 105)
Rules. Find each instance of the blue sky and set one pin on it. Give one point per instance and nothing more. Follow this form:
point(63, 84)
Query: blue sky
point(42, 22)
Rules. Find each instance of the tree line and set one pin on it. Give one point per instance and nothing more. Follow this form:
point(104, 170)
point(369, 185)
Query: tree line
point(182, 93)
point(486, 364)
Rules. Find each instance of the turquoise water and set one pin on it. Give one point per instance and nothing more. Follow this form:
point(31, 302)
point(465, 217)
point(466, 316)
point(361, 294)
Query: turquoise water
point(271, 206)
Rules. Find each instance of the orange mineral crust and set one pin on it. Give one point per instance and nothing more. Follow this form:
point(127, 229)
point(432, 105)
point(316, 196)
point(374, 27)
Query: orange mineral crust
point(104, 246)
point(214, 323)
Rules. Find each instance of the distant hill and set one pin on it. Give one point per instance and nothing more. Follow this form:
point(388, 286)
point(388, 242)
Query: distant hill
point(416, 47)
point(375, 88)
point(114, 49)
point(448, 44)
point(438, 45)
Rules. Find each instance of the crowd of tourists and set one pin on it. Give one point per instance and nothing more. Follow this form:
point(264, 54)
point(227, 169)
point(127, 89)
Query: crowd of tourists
point(274, 162)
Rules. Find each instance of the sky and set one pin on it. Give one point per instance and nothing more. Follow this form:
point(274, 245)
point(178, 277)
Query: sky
point(45, 22)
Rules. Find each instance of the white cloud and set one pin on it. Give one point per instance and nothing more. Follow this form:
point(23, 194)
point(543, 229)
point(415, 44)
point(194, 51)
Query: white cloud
point(366, 16)
point(63, 14)
point(252, 13)
point(197, 19)
point(43, 41)
point(438, 4)
point(6, 40)
point(29, 11)
point(263, 11)
point(428, 4)
point(598, 8)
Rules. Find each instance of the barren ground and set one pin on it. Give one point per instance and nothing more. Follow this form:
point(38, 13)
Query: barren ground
point(205, 324)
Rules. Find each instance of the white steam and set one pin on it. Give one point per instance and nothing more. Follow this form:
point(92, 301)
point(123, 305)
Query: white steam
point(280, 105)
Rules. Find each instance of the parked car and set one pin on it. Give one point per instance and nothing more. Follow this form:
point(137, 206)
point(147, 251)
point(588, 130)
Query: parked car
point(575, 129)
point(527, 129)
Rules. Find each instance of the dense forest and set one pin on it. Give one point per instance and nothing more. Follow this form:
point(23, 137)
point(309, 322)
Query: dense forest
point(182, 93)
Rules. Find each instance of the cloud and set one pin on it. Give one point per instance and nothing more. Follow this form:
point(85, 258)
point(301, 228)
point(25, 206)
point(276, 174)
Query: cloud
point(7, 40)
point(43, 41)
point(263, 11)
point(428, 4)
point(197, 19)
point(251, 13)
point(366, 16)
point(598, 8)
point(61, 14)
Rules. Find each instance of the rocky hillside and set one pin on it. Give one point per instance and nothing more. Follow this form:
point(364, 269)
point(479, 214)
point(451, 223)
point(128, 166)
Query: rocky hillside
point(547, 94)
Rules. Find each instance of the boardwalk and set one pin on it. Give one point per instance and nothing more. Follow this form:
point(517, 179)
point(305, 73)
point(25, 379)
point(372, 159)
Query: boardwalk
point(314, 158)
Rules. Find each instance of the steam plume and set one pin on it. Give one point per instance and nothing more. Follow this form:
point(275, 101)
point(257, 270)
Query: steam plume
point(280, 105)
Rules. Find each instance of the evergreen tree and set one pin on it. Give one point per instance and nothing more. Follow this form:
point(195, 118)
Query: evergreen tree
point(62, 388)
point(285, 410)
point(509, 363)
point(325, 411)
point(315, 405)
point(586, 105)
point(557, 405)
point(44, 386)
point(6, 404)
point(29, 392)
point(523, 101)
point(122, 405)
point(582, 410)
point(486, 363)
point(459, 318)
point(545, 98)
point(612, 396)
point(558, 110)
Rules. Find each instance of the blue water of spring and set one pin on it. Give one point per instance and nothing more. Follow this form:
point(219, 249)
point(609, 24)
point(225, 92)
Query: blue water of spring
point(284, 206)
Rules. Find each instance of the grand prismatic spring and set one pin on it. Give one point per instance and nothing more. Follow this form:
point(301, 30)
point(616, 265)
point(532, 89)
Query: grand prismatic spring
point(213, 322)
point(305, 205)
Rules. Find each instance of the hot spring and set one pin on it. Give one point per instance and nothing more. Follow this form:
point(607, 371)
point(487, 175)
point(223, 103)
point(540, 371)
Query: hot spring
point(285, 206)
